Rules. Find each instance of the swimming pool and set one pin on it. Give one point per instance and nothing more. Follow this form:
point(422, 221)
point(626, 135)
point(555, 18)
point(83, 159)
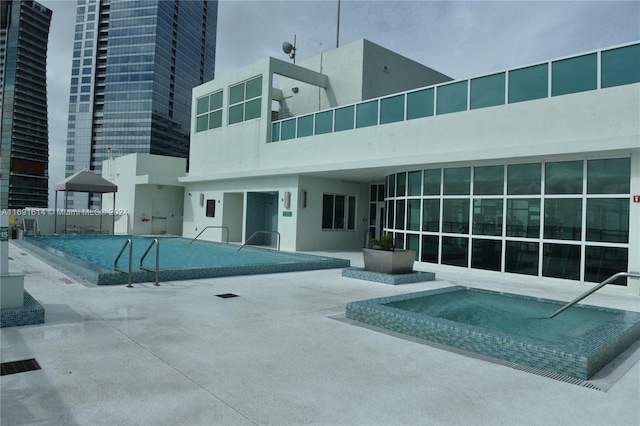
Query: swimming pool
point(92, 256)
point(513, 328)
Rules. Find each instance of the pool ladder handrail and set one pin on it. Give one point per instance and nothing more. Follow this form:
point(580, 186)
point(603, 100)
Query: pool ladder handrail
point(261, 232)
point(129, 243)
point(212, 226)
point(594, 289)
point(157, 269)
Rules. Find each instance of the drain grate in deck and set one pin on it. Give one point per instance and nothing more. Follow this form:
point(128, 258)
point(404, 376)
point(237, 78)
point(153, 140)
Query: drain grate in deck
point(226, 295)
point(15, 367)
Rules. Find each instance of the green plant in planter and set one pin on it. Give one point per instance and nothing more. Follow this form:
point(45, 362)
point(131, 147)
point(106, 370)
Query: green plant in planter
point(384, 243)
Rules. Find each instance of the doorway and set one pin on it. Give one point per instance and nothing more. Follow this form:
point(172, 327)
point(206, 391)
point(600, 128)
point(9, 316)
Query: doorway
point(262, 215)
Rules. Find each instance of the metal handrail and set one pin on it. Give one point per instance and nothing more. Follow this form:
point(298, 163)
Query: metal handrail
point(212, 226)
point(115, 263)
point(261, 232)
point(157, 270)
point(594, 289)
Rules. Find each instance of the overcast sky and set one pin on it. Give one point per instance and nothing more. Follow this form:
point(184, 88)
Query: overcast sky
point(459, 38)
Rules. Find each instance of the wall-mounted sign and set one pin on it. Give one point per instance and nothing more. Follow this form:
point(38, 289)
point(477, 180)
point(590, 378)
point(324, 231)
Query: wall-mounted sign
point(4, 234)
point(287, 214)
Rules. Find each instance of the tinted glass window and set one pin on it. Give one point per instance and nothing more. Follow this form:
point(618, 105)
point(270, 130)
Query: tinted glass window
point(529, 83)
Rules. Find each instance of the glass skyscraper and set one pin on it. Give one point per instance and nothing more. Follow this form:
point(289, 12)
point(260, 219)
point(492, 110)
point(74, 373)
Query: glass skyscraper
point(134, 65)
point(24, 144)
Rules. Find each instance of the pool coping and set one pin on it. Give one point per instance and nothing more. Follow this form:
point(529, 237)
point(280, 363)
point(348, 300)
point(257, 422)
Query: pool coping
point(580, 358)
point(101, 276)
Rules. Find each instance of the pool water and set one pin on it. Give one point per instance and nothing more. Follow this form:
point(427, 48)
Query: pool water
point(174, 252)
point(92, 257)
point(522, 317)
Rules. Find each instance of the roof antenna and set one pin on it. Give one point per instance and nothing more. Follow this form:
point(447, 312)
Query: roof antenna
point(290, 49)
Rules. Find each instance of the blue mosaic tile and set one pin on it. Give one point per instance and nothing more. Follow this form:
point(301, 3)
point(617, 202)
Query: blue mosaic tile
point(31, 312)
point(581, 357)
point(395, 279)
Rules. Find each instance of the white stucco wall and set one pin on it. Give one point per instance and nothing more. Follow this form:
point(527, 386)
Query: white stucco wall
point(141, 178)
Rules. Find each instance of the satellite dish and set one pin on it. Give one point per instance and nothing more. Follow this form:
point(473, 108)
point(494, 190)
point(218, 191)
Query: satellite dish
point(287, 47)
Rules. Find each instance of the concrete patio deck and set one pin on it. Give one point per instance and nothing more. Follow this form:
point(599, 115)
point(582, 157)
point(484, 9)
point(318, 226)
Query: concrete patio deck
point(277, 354)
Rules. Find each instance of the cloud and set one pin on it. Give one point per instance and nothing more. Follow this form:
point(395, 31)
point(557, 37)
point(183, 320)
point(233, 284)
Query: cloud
point(459, 38)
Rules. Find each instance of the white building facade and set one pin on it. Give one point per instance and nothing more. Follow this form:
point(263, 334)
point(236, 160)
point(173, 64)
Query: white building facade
point(533, 171)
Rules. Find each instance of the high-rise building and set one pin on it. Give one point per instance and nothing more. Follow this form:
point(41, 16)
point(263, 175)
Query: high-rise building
point(24, 144)
point(134, 65)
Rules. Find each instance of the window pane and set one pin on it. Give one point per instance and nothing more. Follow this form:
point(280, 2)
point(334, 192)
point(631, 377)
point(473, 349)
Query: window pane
point(521, 257)
point(457, 181)
point(608, 220)
point(401, 188)
point(413, 215)
point(431, 182)
point(351, 219)
point(431, 215)
point(254, 88)
point(529, 83)
point(392, 109)
point(252, 109)
point(452, 98)
point(391, 185)
point(430, 248)
point(455, 251)
point(561, 261)
point(275, 132)
point(486, 254)
point(324, 122)
point(236, 93)
point(413, 243)
point(202, 123)
point(602, 262)
point(390, 210)
point(338, 216)
point(487, 217)
point(344, 118)
point(288, 129)
point(455, 216)
point(236, 113)
point(621, 66)
point(215, 119)
point(399, 214)
point(327, 211)
point(563, 177)
point(523, 179)
point(609, 176)
point(202, 105)
point(488, 180)
point(563, 219)
point(420, 104)
point(305, 126)
point(487, 91)
point(215, 101)
point(523, 218)
point(574, 75)
point(415, 183)
point(367, 114)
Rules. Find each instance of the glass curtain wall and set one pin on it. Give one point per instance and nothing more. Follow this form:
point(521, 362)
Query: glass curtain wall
point(559, 219)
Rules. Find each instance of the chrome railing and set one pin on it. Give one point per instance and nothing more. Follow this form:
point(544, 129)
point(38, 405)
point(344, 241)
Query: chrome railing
point(262, 232)
point(212, 226)
point(157, 269)
point(594, 289)
point(115, 263)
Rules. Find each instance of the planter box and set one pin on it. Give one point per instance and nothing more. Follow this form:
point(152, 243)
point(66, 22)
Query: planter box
point(389, 262)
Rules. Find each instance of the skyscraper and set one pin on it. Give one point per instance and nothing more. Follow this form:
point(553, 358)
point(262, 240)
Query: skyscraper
point(24, 132)
point(134, 65)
